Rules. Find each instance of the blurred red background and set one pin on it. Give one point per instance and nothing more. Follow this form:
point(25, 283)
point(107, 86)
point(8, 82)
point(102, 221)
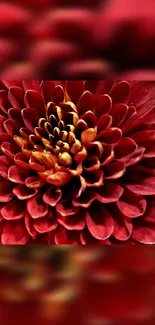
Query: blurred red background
point(54, 39)
point(77, 285)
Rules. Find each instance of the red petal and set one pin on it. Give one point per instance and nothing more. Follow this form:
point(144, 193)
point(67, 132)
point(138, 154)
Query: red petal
point(118, 113)
point(125, 147)
point(6, 193)
point(87, 239)
point(109, 136)
point(17, 174)
point(47, 87)
point(114, 170)
point(29, 225)
point(23, 192)
point(142, 92)
point(15, 114)
point(144, 232)
point(31, 84)
point(99, 221)
point(36, 207)
point(73, 223)
point(33, 99)
point(135, 157)
point(65, 208)
point(30, 118)
point(4, 102)
point(14, 232)
point(63, 236)
point(86, 199)
point(122, 225)
point(86, 103)
point(45, 224)
point(13, 210)
point(52, 196)
point(90, 118)
point(74, 89)
point(2, 119)
point(131, 205)
point(58, 94)
point(103, 105)
point(140, 183)
point(120, 92)
point(35, 182)
point(145, 139)
point(4, 166)
point(104, 122)
point(16, 97)
point(12, 127)
point(109, 192)
point(9, 149)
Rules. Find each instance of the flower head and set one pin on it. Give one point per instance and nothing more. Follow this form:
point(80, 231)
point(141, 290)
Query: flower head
point(77, 162)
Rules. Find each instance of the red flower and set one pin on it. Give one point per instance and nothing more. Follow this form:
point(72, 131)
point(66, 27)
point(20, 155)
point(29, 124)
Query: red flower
point(77, 162)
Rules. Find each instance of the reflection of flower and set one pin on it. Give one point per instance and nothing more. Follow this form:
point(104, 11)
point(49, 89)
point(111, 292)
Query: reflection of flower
point(77, 162)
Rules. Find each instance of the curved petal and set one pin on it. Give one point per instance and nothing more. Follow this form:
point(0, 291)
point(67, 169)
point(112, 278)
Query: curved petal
point(73, 223)
point(23, 192)
point(99, 221)
point(52, 196)
point(13, 210)
point(14, 233)
point(131, 205)
point(65, 237)
point(6, 193)
point(109, 192)
point(36, 207)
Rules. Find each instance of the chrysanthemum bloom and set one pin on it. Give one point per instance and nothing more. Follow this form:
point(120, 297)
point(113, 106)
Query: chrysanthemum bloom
point(77, 162)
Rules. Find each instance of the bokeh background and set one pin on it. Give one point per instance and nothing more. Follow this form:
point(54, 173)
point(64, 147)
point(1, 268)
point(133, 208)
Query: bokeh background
point(52, 39)
point(77, 285)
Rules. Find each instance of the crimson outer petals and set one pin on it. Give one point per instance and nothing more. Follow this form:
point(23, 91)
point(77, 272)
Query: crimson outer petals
point(45, 224)
point(74, 89)
point(6, 193)
point(87, 239)
point(144, 232)
point(73, 223)
point(141, 184)
point(123, 226)
point(125, 147)
point(145, 139)
point(23, 192)
point(36, 207)
point(34, 100)
point(4, 166)
point(16, 97)
point(86, 102)
point(29, 225)
point(114, 170)
point(32, 122)
point(14, 232)
point(103, 105)
point(132, 205)
point(17, 174)
point(109, 136)
point(99, 221)
point(13, 210)
point(120, 92)
point(109, 192)
point(63, 236)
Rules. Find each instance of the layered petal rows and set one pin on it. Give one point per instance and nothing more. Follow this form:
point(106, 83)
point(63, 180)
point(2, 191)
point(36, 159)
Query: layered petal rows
point(77, 162)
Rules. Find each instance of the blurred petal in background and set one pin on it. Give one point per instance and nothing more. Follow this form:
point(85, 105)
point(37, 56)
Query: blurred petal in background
point(54, 39)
